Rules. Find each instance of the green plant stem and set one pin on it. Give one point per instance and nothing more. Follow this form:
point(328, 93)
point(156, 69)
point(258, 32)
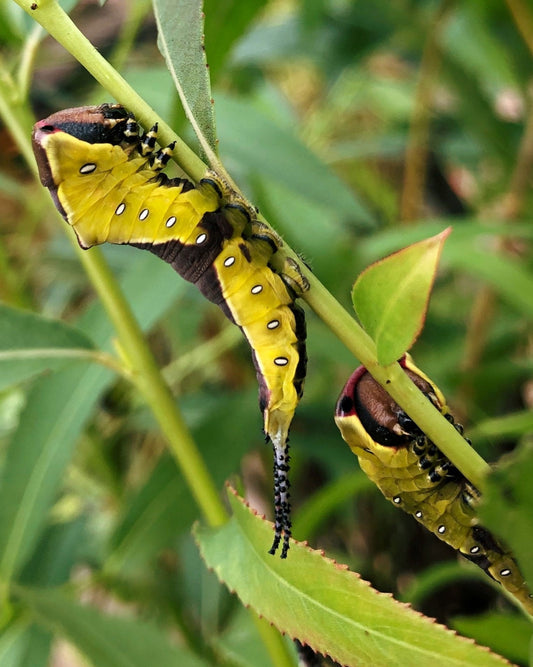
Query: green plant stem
point(17, 118)
point(29, 53)
point(397, 384)
point(157, 395)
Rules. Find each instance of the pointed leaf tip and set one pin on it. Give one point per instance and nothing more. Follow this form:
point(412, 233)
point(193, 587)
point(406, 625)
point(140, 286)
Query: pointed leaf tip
point(391, 296)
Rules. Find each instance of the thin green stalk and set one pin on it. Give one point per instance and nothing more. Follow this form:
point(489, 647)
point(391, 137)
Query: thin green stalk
point(17, 118)
point(202, 355)
point(157, 395)
point(277, 648)
point(29, 54)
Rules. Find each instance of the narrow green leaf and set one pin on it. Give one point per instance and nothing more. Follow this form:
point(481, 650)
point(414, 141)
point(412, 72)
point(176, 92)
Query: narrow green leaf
point(103, 639)
point(159, 512)
point(56, 411)
point(225, 23)
point(31, 344)
point(469, 39)
point(391, 296)
point(180, 25)
point(324, 605)
point(13, 643)
point(24, 644)
point(507, 504)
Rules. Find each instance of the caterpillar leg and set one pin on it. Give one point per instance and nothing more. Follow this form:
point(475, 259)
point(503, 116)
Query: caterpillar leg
point(291, 273)
point(282, 506)
point(293, 277)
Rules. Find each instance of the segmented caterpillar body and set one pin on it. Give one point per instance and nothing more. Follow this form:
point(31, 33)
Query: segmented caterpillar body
point(413, 474)
point(106, 180)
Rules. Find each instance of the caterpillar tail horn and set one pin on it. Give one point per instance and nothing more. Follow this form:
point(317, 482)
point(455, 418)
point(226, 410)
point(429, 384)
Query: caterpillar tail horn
point(282, 506)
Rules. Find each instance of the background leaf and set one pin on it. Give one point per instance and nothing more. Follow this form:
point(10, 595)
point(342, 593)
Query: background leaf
point(28, 343)
point(56, 411)
point(104, 639)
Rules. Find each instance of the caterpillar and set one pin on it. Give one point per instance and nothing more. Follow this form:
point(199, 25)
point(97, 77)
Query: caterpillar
point(413, 473)
point(106, 179)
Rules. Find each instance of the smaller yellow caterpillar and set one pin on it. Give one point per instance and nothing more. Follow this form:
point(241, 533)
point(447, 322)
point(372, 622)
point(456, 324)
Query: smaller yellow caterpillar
point(413, 474)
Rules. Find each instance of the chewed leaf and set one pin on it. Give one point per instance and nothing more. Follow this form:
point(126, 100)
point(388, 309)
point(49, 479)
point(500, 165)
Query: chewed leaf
point(391, 296)
point(324, 605)
point(31, 344)
point(181, 27)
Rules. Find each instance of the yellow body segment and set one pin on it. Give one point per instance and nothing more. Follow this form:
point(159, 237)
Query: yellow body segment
point(258, 301)
point(414, 475)
point(91, 200)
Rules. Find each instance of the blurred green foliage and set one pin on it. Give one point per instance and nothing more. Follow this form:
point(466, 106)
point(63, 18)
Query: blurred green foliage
point(356, 128)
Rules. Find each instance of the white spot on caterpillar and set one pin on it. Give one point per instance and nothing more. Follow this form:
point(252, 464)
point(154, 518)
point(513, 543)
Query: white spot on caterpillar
point(229, 261)
point(441, 529)
point(505, 572)
point(281, 361)
point(144, 214)
point(474, 550)
point(396, 500)
point(273, 324)
point(201, 238)
point(171, 221)
point(419, 514)
point(87, 168)
point(256, 289)
point(120, 209)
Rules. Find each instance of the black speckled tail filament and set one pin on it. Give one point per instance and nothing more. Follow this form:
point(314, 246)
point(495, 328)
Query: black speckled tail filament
point(282, 506)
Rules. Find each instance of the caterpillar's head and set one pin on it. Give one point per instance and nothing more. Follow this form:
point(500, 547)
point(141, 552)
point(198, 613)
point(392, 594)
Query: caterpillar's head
point(370, 420)
point(104, 124)
point(71, 142)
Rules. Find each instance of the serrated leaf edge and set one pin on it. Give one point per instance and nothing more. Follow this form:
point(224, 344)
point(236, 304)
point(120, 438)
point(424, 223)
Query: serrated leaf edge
point(320, 553)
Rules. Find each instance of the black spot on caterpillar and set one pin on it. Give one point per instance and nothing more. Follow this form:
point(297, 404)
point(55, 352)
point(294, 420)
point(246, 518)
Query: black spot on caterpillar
point(413, 473)
point(106, 180)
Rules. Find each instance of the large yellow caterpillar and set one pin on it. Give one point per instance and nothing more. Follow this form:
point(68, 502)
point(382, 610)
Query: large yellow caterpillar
point(413, 474)
point(106, 181)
